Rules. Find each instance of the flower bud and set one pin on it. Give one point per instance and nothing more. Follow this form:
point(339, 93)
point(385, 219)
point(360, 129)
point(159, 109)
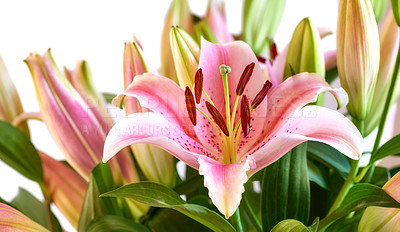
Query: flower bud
point(305, 54)
point(380, 218)
point(13, 220)
point(10, 103)
point(66, 188)
point(134, 64)
point(185, 52)
point(178, 14)
point(157, 165)
point(78, 129)
point(357, 54)
point(260, 21)
point(81, 79)
point(215, 18)
point(389, 45)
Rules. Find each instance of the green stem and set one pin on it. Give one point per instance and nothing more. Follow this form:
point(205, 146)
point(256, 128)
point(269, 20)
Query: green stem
point(236, 221)
point(346, 186)
point(385, 113)
point(47, 202)
point(351, 177)
point(252, 215)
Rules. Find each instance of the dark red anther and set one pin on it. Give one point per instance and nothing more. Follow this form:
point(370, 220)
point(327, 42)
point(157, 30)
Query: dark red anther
point(219, 120)
point(245, 115)
point(261, 95)
point(198, 85)
point(273, 51)
point(245, 78)
point(190, 105)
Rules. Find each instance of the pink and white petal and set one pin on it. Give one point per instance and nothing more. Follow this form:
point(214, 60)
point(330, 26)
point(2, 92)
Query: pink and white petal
point(163, 96)
point(225, 182)
point(311, 123)
point(154, 129)
point(294, 93)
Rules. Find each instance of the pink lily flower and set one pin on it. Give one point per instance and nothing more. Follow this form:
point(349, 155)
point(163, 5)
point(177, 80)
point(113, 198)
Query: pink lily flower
point(204, 130)
point(13, 220)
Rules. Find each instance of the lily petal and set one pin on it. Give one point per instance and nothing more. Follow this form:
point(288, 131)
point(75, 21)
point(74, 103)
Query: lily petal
point(310, 123)
point(296, 92)
point(11, 220)
point(163, 96)
point(154, 129)
point(225, 182)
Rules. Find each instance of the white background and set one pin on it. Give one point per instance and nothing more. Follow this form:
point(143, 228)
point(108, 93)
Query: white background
point(96, 31)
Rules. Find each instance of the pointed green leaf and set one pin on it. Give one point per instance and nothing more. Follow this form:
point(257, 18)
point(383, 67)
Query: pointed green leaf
point(17, 151)
point(359, 197)
point(329, 156)
point(314, 225)
point(157, 195)
point(290, 225)
point(168, 220)
point(316, 175)
point(286, 189)
point(101, 181)
point(391, 147)
point(110, 223)
point(33, 208)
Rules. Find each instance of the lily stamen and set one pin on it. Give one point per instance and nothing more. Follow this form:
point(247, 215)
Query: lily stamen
point(261, 95)
point(198, 85)
point(190, 105)
point(217, 116)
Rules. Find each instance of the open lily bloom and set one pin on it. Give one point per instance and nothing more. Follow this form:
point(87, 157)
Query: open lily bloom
point(230, 129)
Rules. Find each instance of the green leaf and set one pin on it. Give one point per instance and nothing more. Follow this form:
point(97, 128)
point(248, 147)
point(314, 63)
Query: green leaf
point(286, 189)
point(316, 175)
point(381, 176)
point(359, 197)
point(157, 195)
point(329, 156)
point(110, 223)
point(346, 224)
point(100, 181)
point(33, 208)
point(290, 225)
point(391, 147)
point(168, 220)
point(314, 225)
point(17, 151)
